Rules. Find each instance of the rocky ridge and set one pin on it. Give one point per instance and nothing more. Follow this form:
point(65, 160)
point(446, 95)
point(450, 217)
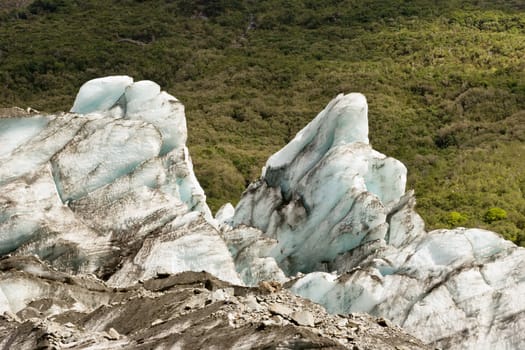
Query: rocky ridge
point(189, 310)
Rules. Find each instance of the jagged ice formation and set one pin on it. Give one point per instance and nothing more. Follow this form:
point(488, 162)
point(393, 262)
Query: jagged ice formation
point(108, 189)
point(85, 190)
point(333, 214)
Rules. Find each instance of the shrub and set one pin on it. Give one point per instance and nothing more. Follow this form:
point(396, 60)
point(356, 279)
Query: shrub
point(508, 230)
point(456, 219)
point(42, 6)
point(494, 214)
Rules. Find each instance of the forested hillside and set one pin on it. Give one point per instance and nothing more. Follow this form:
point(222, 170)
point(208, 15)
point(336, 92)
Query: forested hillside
point(445, 82)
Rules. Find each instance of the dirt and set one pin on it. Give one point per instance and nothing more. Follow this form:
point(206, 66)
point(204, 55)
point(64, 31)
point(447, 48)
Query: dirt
point(190, 310)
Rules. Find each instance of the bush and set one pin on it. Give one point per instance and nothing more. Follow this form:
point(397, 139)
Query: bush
point(508, 230)
point(455, 219)
point(494, 214)
point(43, 6)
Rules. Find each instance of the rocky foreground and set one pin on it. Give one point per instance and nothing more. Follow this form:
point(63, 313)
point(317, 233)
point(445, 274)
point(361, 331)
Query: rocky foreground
point(189, 310)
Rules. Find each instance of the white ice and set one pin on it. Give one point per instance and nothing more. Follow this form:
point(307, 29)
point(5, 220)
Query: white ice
point(328, 202)
point(187, 243)
point(76, 189)
point(440, 287)
point(16, 131)
point(344, 120)
point(107, 152)
point(326, 192)
point(225, 215)
point(146, 102)
point(78, 186)
point(100, 94)
point(38, 149)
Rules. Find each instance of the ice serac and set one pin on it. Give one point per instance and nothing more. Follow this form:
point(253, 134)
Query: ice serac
point(100, 94)
point(326, 192)
point(331, 215)
point(107, 187)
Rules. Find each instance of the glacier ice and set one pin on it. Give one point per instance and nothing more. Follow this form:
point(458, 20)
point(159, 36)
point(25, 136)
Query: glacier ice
point(187, 243)
point(100, 189)
point(101, 153)
point(344, 120)
point(145, 102)
point(326, 192)
point(100, 94)
point(331, 216)
point(16, 131)
point(109, 189)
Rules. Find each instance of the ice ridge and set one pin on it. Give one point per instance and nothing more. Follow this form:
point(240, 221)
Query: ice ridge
point(331, 216)
point(109, 189)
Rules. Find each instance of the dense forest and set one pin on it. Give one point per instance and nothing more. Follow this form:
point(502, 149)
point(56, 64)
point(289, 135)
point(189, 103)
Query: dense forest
point(445, 82)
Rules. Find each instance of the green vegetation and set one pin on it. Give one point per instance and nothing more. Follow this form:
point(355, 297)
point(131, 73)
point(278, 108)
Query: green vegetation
point(445, 81)
point(494, 214)
point(456, 219)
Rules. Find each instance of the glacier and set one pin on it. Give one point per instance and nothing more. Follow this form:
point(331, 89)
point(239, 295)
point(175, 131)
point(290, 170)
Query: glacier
point(331, 218)
point(108, 191)
point(83, 190)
